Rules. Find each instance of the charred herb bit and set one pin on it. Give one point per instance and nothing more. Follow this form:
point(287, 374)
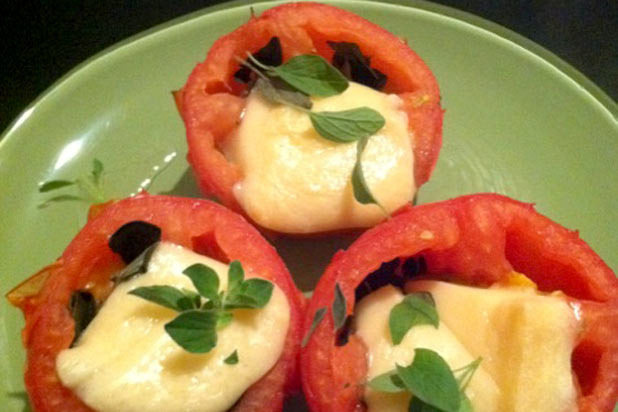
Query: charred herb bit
point(133, 238)
point(413, 267)
point(270, 55)
point(137, 267)
point(83, 308)
point(386, 274)
point(356, 66)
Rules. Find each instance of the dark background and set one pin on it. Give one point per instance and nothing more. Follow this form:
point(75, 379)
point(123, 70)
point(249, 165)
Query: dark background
point(42, 40)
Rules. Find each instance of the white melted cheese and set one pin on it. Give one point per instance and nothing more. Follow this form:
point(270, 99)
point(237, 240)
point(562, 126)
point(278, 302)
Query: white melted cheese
point(125, 361)
point(524, 339)
point(296, 181)
point(371, 319)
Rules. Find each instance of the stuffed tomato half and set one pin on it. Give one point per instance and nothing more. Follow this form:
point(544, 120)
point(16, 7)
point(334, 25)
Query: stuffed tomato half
point(476, 303)
point(162, 304)
point(309, 119)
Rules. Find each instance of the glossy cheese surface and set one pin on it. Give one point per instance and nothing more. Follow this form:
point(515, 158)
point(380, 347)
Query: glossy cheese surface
point(125, 361)
point(525, 341)
point(296, 181)
point(525, 338)
point(372, 327)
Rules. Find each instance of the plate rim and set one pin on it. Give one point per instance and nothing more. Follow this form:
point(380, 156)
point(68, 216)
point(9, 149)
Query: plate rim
point(598, 94)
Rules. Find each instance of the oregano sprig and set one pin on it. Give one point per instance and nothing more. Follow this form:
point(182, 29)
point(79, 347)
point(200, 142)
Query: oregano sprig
point(433, 385)
point(88, 185)
point(203, 314)
point(415, 309)
point(291, 84)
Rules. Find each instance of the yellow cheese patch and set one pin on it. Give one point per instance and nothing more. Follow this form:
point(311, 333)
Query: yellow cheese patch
point(125, 361)
point(295, 181)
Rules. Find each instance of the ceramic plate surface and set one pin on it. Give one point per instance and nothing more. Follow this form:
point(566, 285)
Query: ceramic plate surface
point(518, 121)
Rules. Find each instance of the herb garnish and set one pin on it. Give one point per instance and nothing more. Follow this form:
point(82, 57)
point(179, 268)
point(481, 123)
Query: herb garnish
point(415, 309)
point(431, 382)
point(89, 187)
point(291, 84)
point(232, 359)
point(317, 318)
point(339, 308)
point(195, 328)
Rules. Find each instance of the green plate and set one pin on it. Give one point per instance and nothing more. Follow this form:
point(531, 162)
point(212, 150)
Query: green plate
point(518, 121)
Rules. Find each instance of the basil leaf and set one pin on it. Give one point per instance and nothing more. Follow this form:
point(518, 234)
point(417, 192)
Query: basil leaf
point(388, 382)
point(312, 75)
point(317, 318)
point(60, 198)
point(275, 93)
point(339, 309)
point(415, 309)
point(430, 379)
point(235, 276)
point(359, 185)
point(164, 295)
point(205, 280)
point(97, 171)
point(348, 125)
point(232, 359)
point(194, 330)
point(54, 184)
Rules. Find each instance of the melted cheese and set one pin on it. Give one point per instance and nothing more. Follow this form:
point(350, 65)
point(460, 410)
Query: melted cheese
point(124, 361)
point(371, 319)
point(525, 339)
point(298, 182)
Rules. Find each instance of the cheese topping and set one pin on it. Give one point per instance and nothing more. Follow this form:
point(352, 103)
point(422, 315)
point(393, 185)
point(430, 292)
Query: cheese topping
point(296, 181)
point(525, 341)
point(125, 361)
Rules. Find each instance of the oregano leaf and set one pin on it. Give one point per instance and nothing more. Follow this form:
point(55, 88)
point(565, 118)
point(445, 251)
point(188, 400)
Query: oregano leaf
point(205, 280)
point(348, 125)
point(339, 309)
point(362, 194)
point(312, 75)
point(54, 185)
point(232, 359)
point(273, 92)
point(387, 382)
point(164, 295)
point(317, 318)
point(415, 309)
point(194, 330)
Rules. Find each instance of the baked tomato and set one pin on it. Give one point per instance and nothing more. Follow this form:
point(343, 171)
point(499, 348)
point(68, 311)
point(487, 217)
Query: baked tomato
point(88, 264)
point(476, 240)
point(215, 95)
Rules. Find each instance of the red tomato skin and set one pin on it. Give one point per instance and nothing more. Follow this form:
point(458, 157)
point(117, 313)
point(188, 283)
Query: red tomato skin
point(210, 104)
point(475, 240)
point(88, 261)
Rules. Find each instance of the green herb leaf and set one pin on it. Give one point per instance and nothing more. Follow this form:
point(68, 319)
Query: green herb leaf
point(388, 382)
point(466, 372)
point(275, 93)
point(417, 405)
point(430, 379)
point(205, 280)
point(348, 125)
point(224, 319)
point(60, 198)
point(164, 295)
point(252, 294)
point(466, 405)
point(339, 308)
point(97, 171)
point(54, 185)
point(195, 297)
point(362, 194)
point(317, 318)
point(415, 309)
point(235, 276)
point(232, 359)
point(312, 75)
point(194, 330)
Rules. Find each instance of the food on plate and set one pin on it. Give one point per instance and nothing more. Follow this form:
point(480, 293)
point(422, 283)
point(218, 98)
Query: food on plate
point(476, 303)
point(311, 119)
point(161, 303)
